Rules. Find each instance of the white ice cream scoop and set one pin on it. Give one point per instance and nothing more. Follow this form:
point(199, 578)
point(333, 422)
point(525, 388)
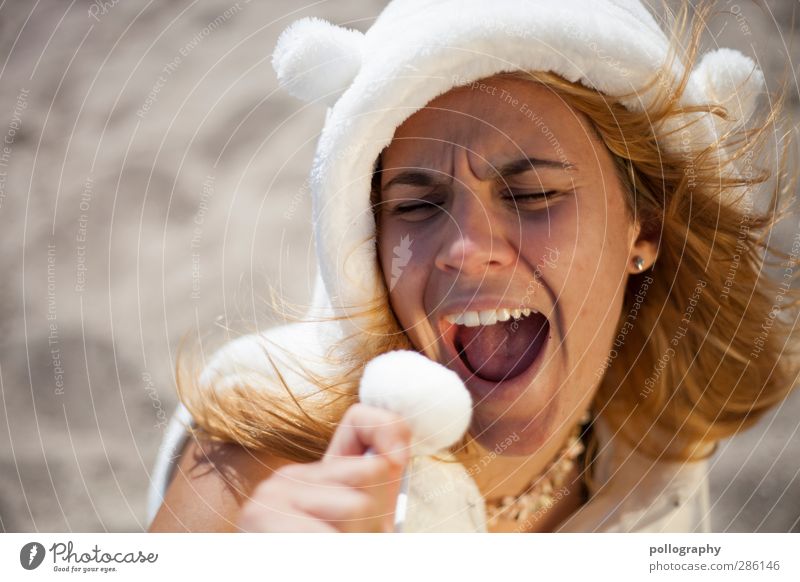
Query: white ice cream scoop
point(430, 398)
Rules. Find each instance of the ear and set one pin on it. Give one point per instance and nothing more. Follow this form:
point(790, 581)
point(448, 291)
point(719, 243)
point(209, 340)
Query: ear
point(643, 251)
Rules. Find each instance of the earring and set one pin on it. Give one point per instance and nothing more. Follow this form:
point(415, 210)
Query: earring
point(638, 262)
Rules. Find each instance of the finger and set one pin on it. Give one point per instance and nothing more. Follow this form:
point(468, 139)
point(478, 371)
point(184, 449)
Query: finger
point(373, 476)
point(348, 510)
point(364, 427)
point(317, 490)
point(362, 472)
point(357, 472)
point(265, 518)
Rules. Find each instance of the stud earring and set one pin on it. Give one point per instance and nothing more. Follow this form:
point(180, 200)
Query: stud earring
point(638, 262)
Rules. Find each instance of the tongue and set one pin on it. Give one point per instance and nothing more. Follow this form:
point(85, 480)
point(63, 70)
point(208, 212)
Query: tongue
point(504, 350)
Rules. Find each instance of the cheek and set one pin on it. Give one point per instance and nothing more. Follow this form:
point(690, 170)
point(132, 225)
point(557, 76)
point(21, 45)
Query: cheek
point(592, 277)
point(591, 240)
point(384, 253)
point(406, 248)
point(598, 267)
point(402, 259)
point(581, 250)
point(394, 248)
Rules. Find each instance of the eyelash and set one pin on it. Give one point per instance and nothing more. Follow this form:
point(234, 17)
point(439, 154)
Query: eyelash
point(530, 195)
point(406, 208)
point(524, 196)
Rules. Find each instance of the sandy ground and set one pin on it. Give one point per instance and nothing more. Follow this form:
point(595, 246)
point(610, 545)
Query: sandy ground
point(155, 181)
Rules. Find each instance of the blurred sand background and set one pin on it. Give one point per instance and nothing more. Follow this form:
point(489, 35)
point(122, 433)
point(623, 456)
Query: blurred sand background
point(155, 182)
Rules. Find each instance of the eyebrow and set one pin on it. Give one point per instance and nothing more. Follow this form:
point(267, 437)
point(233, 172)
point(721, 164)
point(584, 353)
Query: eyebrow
point(424, 178)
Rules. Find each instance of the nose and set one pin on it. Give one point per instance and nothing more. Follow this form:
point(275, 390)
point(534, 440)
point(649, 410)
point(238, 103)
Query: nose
point(474, 241)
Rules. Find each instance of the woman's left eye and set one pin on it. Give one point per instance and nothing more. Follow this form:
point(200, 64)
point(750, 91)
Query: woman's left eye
point(529, 196)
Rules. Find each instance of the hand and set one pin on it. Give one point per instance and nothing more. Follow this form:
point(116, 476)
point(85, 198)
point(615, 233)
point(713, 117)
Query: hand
point(345, 491)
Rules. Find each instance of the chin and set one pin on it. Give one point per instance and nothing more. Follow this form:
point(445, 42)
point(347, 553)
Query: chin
point(512, 434)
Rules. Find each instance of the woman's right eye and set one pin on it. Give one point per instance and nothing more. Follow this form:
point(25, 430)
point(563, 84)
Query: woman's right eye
point(416, 210)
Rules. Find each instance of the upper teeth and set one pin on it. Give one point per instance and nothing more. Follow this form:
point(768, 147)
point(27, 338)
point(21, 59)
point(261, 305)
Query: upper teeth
point(488, 316)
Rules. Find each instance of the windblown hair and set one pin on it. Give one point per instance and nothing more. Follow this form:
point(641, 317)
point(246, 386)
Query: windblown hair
point(706, 341)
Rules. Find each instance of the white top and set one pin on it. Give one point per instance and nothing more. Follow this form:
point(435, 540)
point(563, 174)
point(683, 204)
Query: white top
point(629, 493)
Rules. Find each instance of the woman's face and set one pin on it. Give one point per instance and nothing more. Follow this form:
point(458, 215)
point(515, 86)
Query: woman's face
point(498, 200)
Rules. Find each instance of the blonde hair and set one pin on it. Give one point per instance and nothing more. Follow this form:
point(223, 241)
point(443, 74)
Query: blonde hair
point(707, 331)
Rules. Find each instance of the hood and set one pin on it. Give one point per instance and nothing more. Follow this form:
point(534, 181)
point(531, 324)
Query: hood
point(417, 50)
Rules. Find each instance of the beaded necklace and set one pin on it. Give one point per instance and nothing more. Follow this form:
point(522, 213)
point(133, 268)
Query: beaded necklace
point(542, 492)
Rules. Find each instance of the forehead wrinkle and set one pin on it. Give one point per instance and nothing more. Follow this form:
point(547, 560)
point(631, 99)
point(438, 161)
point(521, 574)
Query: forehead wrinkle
point(425, 155)
point(477, 128)
point(465, 153)
point(464, 130)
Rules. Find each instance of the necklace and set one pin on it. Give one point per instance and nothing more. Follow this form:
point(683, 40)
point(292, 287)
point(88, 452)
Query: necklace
point(545, 490)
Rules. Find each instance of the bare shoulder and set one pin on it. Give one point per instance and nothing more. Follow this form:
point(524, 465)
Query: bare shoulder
point(211, 483)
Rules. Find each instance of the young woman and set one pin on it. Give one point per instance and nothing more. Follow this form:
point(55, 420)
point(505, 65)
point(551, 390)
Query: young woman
point(559, 203)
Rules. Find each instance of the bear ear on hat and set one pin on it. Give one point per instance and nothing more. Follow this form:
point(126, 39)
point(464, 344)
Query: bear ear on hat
point(731, 79)
point(316, 60)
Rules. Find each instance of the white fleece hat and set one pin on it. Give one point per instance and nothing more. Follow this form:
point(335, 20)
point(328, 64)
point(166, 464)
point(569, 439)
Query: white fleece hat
point(419, 49)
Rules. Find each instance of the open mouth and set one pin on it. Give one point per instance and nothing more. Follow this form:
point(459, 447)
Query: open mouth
point(503, 350)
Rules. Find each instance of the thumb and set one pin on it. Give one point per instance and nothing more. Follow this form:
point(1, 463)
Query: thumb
point(366, 427)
